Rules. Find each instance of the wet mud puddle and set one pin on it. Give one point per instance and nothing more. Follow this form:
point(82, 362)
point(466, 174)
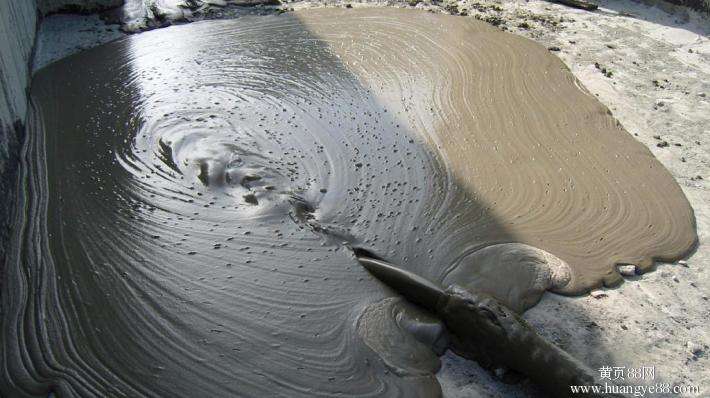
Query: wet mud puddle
point(186, 192)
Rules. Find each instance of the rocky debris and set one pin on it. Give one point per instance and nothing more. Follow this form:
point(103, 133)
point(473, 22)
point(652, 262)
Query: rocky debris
point(140, 15)
point(662, 144)
point(491, 19)
point(659, 104)
point(695, 349)
point(583, 5)
point(606, 72)
point(485, 7)
point(251, 199)
point(627, 270)
point(598, 294)
point(660, 83)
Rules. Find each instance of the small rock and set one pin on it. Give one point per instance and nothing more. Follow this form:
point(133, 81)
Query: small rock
point(694, 348)
point(675, 279)
point(627, 270)
point(597, 294)
point(658, 137)
point(251, 199)
point(662, 144)
point(554, 48)
point(683, 263)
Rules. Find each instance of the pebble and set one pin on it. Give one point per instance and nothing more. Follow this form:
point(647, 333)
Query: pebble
point(627, 270)
point(251, 199)
point(683, 263)
point(597, 294)
point(694, 348)
point(662, 144)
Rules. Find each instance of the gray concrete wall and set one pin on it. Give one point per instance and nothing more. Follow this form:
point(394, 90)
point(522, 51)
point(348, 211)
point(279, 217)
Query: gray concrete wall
point(18, 20)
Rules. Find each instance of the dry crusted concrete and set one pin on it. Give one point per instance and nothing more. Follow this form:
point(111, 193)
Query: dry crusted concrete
point(650, 64)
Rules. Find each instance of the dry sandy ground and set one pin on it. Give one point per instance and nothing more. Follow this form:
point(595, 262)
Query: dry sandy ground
point(650, 64)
